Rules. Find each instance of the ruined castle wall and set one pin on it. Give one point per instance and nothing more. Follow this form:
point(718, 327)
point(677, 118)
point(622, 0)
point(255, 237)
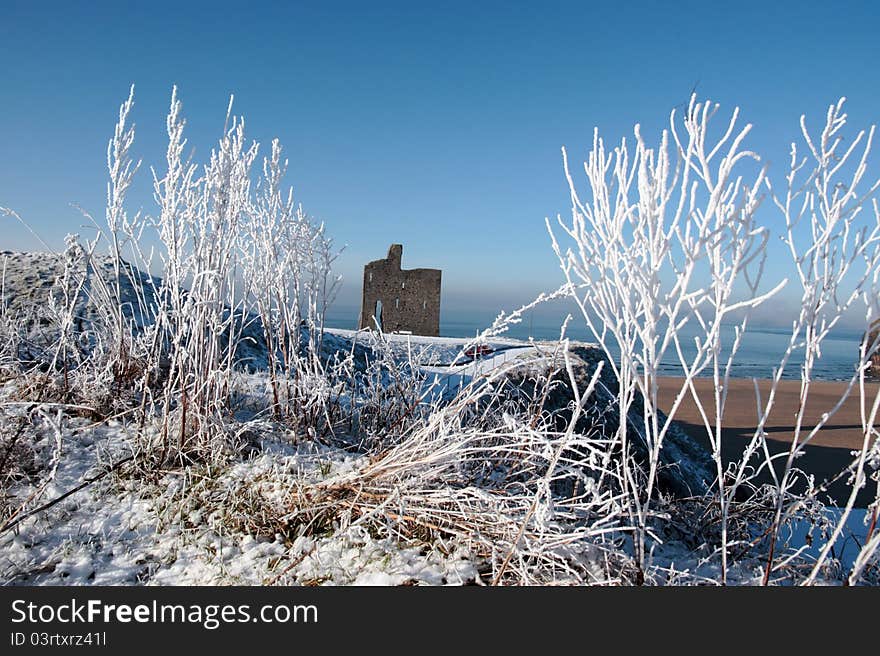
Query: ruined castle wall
point(410, 299)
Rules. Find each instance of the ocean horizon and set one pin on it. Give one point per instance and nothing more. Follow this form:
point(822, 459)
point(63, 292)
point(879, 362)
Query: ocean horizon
point(757, 357)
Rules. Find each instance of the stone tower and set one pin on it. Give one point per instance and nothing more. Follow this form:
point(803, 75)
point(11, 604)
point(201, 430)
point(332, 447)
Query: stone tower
point(400, 300)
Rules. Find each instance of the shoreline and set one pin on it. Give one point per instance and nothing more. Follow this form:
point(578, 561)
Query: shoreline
point(826, 454)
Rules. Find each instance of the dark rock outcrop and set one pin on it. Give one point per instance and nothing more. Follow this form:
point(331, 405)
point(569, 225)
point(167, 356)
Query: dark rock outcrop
point(686, 467)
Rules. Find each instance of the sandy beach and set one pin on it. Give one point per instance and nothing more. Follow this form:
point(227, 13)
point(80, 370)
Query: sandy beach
point(827, 453)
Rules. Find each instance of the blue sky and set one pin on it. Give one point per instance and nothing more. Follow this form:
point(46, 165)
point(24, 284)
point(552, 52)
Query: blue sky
point(435, 125)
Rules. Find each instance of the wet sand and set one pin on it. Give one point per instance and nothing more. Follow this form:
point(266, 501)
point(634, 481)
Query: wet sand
point(826, 455)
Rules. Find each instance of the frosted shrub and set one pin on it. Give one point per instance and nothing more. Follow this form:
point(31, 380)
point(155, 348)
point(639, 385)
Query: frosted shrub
point(236, 265)
point(390, 394)
point(656, 220)
point(287, 269)
point(835, 247)
point(666, 239)
point(198, 224)
point(510, 488)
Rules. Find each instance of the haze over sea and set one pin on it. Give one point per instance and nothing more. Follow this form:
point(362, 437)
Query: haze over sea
point(758, 355)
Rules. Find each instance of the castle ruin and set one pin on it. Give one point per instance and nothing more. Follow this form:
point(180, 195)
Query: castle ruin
point(400, 300)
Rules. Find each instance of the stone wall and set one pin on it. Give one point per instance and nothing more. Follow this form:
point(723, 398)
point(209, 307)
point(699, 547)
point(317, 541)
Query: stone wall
point(407, 300)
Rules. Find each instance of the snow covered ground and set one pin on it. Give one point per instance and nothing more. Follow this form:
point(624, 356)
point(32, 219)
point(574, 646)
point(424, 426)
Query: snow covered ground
point(192, 528)
point(119, 531)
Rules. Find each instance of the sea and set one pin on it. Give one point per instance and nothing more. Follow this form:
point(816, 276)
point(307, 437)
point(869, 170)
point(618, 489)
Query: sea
point(757, 357)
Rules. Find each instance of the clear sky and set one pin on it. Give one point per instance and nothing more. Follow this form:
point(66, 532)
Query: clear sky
point(436, 125)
